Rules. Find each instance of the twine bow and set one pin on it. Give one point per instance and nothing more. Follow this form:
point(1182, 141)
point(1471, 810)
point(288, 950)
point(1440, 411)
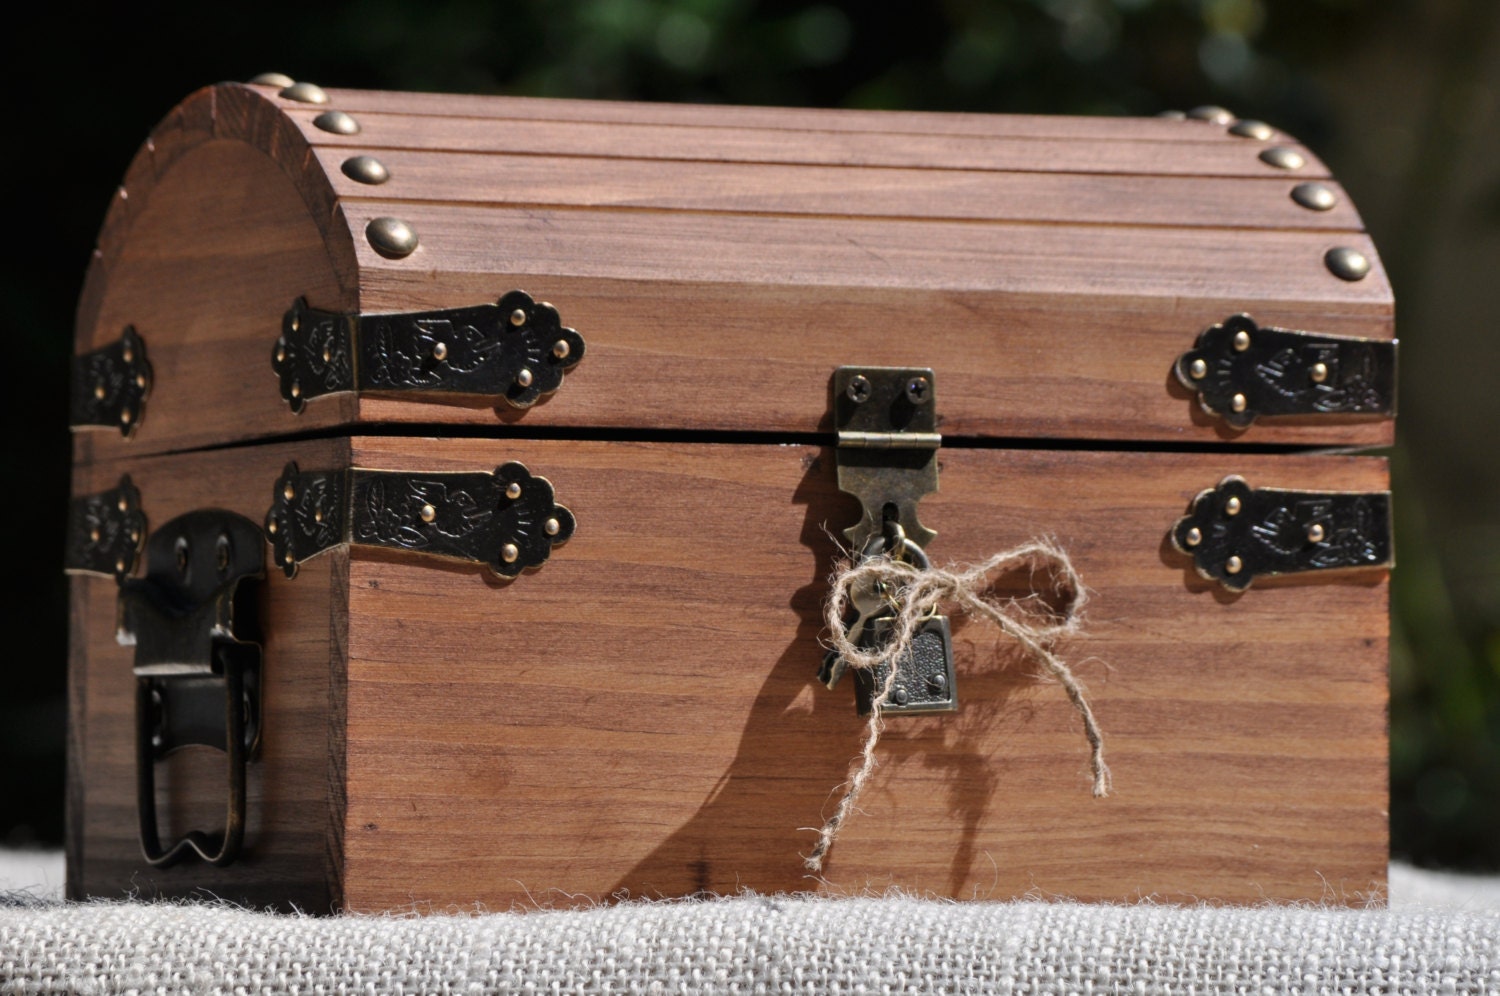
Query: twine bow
point(917, 592)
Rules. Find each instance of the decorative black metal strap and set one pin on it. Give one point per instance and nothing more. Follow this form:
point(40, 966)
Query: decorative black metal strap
point(196, 681)
point(105, 532)
point(110, 385)
point(517, 350)
point(1241, 370)
point(1236, 533)
point(508, 519)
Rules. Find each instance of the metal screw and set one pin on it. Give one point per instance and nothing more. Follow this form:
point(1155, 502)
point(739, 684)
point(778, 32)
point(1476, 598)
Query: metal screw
point(552, 527)
point(1238, 402)
point(1241, 341)
point(1282, 158)
point(937, 682)
point(509, 552)
point(1316, 533)
point(561, 349)
point(513, 490)
point(440, 351)
point(1347, 264)
point(858, 389)
point(1318, 373)
point(1194, 536)
point(304, 93)
point(918, 390)
point(1234, 565)
point(365, 169)
point(1258, 130)
point(901, 696)
point(337, 123)
point(1198, 370)
point(1232, 506)
point(428, 513)
point(524, 377)
point(1314, 196)
point(518, 317)
point(391, 237)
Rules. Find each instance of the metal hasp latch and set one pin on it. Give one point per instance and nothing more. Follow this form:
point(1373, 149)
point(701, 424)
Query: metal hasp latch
point(516, 350)
point(886, 419)
point(1236, 533)
point(508, 519)
point(1242, 370)
point(110, 385)
point(197, 681)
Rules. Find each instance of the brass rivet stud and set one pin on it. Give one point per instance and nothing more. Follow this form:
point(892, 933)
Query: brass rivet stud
point(440, 351)
point(125, 417)
point(304, 93)
point(552, 526)
point(561, 349)
point(120, 566)
point(1314, 196)
point(1346, 263)
point(1241, 341)
point(127, 354)
point(135, 536)
point(391, 237)
point(289, 492)
point(140, 380)
point(271, 527)
point(296, 389)
point(289, 558)
point(1212, 114)
point(280, 353)
point(509, 552)
point(1194, 536)
point(1234, 565)
point(1198, 370)
point(99, 391)
point(337, 123)
point(1318, 373)
point(524, 377)
point(317, 515)
point(365, 169)
point(1316, 533)
point(1173, 115)
point(93, 535)
point(518, 317)
point(1282, 158)
point(513, 490)
point(278, 80)
point(1238, 402)
point(327, 354)
point(123, 505)
point(1258, 130)
point(428, 513)
point(1232, 506)
point(296, 323)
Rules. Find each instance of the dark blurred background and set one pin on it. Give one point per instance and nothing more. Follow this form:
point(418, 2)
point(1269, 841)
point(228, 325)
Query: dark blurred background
point(1400, 97)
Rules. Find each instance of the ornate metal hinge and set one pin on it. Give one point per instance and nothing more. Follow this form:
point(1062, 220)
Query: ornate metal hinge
point(1242, 370)
point(887, 458)
point(508, 519)
point(110, 385)
point(196, 681)
point(517, 350)
point(105, 532)
point(1236, 533)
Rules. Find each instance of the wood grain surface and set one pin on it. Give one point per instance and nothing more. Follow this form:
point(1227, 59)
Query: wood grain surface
point(294, 823)
point(640, 716)
point(721, 292)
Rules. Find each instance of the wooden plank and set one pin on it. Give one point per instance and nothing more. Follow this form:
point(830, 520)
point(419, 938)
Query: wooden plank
point(1193, 153)
point(294, 827)
point(640, 716)
point(778, 118)
point(760, 188)
point(217, 251)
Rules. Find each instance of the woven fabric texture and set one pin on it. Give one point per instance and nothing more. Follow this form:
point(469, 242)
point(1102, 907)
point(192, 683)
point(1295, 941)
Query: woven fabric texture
point(755, 944)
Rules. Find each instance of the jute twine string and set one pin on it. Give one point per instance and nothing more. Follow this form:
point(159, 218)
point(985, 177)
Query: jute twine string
point(917, 592)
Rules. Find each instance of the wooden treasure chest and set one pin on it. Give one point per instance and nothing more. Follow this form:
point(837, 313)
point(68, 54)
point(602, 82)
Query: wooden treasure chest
point(460, 485)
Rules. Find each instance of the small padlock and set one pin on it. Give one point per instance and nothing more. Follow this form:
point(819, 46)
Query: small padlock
point(924, 675)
